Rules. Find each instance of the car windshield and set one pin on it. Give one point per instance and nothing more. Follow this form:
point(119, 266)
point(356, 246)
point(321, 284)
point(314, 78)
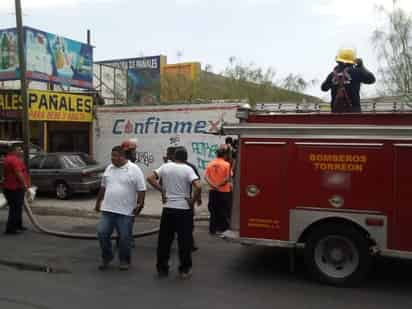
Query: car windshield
point(73, 161)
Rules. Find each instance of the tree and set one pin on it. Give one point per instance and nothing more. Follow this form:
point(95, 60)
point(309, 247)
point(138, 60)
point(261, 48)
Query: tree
point(295, 82)
point(247, 81)
point(393, 43)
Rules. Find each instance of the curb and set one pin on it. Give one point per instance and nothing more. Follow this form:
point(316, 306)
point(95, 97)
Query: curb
point(80, 213)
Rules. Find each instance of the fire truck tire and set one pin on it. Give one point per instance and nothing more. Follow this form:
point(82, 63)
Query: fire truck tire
point(337, 254)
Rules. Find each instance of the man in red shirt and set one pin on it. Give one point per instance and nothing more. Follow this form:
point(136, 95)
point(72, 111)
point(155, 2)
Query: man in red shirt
point(16, 182)
point(218, 175)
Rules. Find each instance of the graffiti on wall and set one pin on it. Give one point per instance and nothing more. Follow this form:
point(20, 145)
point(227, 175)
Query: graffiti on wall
point(174, 140)
point(145, 158)
point(204, 153)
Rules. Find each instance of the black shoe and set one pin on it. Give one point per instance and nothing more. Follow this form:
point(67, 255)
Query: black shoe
point(184, 275)
point(11, 232)
point(162, 273)
point(105, 264)
point(194, 248)
point(22, 228)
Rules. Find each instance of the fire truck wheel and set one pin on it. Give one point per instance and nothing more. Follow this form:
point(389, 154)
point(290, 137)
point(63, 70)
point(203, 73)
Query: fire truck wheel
point(337, 254)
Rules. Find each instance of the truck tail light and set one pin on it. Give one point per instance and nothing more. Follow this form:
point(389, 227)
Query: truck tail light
point(374, 222)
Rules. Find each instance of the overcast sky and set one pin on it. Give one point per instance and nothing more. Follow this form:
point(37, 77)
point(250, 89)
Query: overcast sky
point(293, 36)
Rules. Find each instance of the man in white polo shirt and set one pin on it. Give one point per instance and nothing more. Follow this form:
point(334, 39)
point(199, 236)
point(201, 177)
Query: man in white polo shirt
point(121, 196)
point(177, 179)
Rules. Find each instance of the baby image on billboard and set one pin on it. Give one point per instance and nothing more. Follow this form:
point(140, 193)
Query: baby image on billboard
point(57, 59)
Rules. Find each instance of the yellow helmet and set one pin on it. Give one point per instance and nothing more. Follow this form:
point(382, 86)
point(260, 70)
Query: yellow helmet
point(346, 55)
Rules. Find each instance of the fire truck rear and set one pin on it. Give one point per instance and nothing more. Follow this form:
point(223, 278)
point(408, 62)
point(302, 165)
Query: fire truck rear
point(337, 185)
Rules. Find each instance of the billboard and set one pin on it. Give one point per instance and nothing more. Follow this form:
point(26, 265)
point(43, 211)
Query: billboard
point(48, 106)
point(49, 58)
point(9, 60)
point(179, 81)
point(190, 70)
point(142, 77)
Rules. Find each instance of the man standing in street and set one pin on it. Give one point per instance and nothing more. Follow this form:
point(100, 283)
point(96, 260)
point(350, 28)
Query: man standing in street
point(121, 196)
point(198, 202)
point(130, 149)
point(16, 183)
point(218, 176)
point(177, 179)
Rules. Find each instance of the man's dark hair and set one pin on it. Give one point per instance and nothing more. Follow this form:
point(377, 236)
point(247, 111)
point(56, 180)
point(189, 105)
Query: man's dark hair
point(119, 150)
point(221, 152)
point(229, 140)
point(181, 154)
point(170, 153)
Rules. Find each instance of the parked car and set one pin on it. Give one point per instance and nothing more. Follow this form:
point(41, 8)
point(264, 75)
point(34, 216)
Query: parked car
point(5, 146)
point(65, 173)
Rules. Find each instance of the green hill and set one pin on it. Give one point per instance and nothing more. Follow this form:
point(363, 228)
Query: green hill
point(217, 87)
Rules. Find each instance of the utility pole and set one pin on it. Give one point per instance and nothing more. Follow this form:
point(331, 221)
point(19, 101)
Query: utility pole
point(23, 83)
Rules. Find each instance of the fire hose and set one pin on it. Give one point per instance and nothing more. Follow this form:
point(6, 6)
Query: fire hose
point(42, 229)
point(47, 231)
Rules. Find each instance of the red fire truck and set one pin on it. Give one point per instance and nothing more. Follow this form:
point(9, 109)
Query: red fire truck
point(337, 185)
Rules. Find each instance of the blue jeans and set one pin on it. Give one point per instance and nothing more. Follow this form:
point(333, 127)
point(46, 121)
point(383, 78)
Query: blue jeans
point(123, 225)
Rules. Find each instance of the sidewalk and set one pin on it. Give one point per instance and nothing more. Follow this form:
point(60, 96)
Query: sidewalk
point(82, 205)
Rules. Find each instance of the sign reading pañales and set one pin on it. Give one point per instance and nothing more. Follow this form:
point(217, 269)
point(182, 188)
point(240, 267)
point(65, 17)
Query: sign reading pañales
point(50, 105)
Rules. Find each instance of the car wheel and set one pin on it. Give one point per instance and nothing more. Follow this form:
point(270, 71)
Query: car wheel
point(337, 254)
point(62, 191)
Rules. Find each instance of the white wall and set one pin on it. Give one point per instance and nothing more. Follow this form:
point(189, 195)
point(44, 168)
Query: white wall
point(158, 127)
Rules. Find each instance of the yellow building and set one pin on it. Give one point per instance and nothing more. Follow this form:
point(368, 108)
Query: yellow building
point(179, 81)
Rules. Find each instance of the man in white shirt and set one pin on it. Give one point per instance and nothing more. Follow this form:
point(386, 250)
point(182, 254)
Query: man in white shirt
point(177, 179)
point(121, 196)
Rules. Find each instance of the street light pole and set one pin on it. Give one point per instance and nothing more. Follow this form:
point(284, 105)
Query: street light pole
point(23, 82)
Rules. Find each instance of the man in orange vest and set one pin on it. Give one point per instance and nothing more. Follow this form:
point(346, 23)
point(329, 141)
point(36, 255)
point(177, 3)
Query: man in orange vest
point(218, 176)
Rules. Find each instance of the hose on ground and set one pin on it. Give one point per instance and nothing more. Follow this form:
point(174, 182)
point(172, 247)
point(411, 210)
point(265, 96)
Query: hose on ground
point(42, 229)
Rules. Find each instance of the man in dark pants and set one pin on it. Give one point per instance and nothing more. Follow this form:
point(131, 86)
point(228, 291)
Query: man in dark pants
point(218, 176)
point(16, 182)
point(177, 179)
point(198, 202)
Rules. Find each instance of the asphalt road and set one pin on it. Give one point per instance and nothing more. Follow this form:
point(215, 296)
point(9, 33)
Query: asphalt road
point(225, 276)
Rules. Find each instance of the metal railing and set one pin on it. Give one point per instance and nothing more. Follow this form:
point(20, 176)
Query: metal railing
point(387, 104)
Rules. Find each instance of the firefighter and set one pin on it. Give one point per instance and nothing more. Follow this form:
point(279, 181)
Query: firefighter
point(345, 81)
